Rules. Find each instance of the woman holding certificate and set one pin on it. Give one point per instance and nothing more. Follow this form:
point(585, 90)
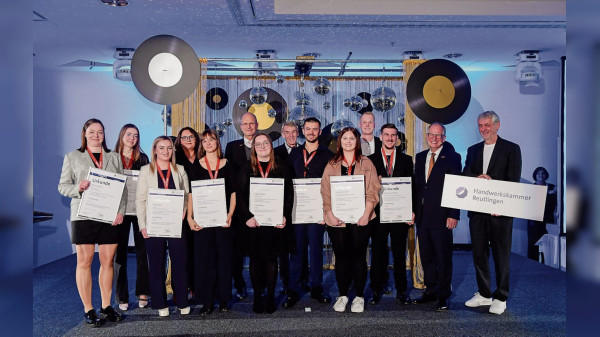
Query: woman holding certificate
point(160, 206)
point(85, 233)
point(213, 239)
point(132, 157)
point(350, 190)
point(268, 190)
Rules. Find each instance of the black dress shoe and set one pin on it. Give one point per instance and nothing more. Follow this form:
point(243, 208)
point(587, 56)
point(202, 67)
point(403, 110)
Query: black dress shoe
point(270, 307)
point(111, 315)
point(259, 304)
point(91, 318)
point(403, 298)
point(241, 294)
point(427, 297)
point(318, 294)
point(223, 307)
point(206, 310)
point(442, 304)
point(375, 298)
point(291, 299)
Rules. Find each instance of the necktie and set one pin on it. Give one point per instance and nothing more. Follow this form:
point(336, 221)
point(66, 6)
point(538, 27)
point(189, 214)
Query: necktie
point(431, 163)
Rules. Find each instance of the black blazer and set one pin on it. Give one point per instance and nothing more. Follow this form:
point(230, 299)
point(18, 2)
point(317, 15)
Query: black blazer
point(235, 152)
point(377, 145)
point(427, 198)
point(281, 152)
point(402, 168)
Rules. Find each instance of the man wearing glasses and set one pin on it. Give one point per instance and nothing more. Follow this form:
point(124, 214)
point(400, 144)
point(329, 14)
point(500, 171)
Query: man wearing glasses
point(434, 222)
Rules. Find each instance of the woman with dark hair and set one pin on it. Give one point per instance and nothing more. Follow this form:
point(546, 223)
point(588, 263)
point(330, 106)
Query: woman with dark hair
point(85, 234)
point(265, 243)
point(212, 245)
point(133, 158)
point(350, 241)
point(537, 229)
point(163, 172)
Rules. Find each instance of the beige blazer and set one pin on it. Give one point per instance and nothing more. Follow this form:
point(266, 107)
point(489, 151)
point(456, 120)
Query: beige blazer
point(148, 180)
point(75, 169)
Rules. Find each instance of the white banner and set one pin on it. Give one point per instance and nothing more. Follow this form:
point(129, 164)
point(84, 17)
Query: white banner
point(526, 201)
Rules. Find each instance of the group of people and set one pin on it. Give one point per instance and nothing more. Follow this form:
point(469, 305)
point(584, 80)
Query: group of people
point(205, 259)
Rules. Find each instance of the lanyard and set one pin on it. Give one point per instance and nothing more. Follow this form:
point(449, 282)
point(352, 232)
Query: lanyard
point(306, 162)
point(262, 173)
point(127, 165)
point(98, 164)
point(349, 165)
point(165, 180)
point(390, 169)
point(210, 171)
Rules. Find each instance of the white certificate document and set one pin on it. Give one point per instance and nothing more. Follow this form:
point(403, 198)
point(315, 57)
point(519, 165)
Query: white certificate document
point(210, 207)
point(164, 212)
point(101, 200)
point(507, 198)
point(348, 197)
point(395, 200)
point(132, 177)
point(308, 203)
point(266, 200)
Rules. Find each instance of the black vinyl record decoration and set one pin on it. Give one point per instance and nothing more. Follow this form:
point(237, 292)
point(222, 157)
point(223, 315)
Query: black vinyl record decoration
point(327, 139)
point(438, 91)
point(269, 125)
point(216, 98)
point(165, 69)
point(366, 96)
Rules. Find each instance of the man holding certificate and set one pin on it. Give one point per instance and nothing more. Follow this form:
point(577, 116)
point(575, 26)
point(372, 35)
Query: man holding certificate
point(435, 223)
point(350, 190)
point(308, 161)
point(390, 162)
point(499, 159)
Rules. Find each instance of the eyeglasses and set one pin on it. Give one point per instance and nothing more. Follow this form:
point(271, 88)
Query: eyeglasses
point(262, 145)
point(188, 138)
point(435, 135)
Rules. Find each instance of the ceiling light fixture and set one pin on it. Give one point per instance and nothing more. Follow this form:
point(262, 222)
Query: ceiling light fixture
point(452, 56)
point(115, 3)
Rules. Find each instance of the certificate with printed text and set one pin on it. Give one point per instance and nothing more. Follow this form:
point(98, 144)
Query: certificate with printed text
point(164, 212)
point(395, 200)
point(209, 203)
point(100, 202)
point(266, 200)
point(308, 203)
point(132, 177)
point(348, 197)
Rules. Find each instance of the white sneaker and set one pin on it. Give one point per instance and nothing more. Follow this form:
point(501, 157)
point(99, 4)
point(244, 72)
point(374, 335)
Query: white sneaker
point(185, 311)
point(164, 312)
point(123, 306)
point(340, 304)
point(497, 307)
point(478, 301)
point(358, 304)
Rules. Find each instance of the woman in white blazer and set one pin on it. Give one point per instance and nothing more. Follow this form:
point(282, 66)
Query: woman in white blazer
point(162, 172)
point(85, 234)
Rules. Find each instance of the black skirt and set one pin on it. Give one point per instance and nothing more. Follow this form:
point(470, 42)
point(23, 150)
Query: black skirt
point(93, 232)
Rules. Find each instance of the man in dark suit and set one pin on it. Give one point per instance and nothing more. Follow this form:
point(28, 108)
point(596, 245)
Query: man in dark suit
point(237, 153)
point(434, 222)
point(289, 131)
point(369, 143)
point(389, 162)
point(493, 158)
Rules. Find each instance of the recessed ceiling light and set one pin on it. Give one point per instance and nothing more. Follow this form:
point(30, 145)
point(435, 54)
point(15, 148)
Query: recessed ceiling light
point(453, 55)
point(115, 3)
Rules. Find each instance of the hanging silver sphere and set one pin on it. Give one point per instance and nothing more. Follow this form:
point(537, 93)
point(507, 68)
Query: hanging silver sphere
point(356, 103)
point(326, 105)
point(302, 98)
point(401, 120)
point(322, 86)
point(243, 104)
point(347, 102)
point(280, 79)
point(219, 128)
point(228, 122)
point(300, 113)
point(258, 95)
point(162, 116)
point(383, 99)
point(272, 113)
point(338, 125)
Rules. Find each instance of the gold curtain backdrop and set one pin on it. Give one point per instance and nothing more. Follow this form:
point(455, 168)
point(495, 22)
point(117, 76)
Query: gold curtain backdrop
point(191, 111)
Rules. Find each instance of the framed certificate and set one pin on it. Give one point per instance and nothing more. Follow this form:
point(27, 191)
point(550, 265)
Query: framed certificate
point(132, 177)
point(308, 203)
point(101, 200)
point(164, 212)
point(210, 207)
point(395, 200)
point(266, 200)
point(348, 197)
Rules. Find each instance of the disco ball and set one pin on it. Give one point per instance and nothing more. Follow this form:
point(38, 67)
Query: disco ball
point(347, 102)
point(280, 79)
point(401, 120)
point(383, 99)
point(356, 103)
point(243, 104)
point(300, 113)
point(272, 113)
point(302, 98)
point(326, 105)
point(258, 95)
point(228, 122)
point(219, 128)
point(338, 125)
point(322, 86)
point(162, 116)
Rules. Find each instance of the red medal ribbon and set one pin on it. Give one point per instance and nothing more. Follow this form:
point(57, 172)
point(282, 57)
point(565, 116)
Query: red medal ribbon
point(262, 173)
point(349, 165)
point(165, 180)
point(389, 162)
point(306, 162)
point(209, 170)
point(98, 164)
point(127, 165)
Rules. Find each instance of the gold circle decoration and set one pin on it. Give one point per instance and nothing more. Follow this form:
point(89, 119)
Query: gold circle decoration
point(438, 92)
point(261, 111)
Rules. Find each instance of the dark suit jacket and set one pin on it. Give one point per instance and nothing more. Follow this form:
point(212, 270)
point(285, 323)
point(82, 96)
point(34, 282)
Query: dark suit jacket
point(377, 145)
point(505, 163)
point(235, 152)
point(428, 195)
point(281, 152)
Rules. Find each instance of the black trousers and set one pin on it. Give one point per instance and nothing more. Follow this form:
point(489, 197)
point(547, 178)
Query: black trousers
point(157, 254)
point(435, 247)
point(212, 264)
point(380, 255)
point(496, 233)
point(237, 262)
point(350, 249)
point(142, 285)
point(535, 231)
